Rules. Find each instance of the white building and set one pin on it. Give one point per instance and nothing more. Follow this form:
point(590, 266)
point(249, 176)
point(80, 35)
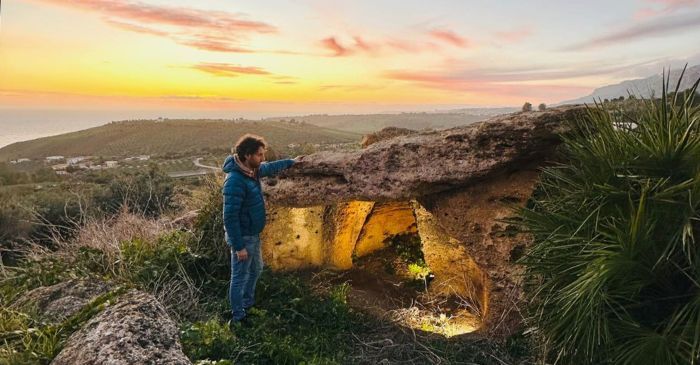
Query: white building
point(144, 157)
point(111, 164)
point(54, 158)
point(75, 160)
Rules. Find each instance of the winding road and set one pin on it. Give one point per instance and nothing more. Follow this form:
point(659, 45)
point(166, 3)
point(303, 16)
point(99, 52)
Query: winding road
point(204, 169)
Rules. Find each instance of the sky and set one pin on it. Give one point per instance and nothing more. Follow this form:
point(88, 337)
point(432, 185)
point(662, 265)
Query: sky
point(120, 59)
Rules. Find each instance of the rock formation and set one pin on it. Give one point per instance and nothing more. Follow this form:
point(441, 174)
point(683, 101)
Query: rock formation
point(453, 187)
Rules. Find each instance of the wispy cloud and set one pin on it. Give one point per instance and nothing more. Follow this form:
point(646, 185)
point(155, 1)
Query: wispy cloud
point(450, 37)
point(358, 44)
point(651, 28)
point(350, 87)
point(211, 30)
point(515, 35)
point(334, 46)
point(485, 87)
point(228, 70)
point(425, 42)
point(136, 28)
point(667, 7)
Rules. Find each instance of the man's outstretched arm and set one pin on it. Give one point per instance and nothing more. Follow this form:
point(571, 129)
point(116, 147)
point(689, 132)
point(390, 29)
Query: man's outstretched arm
point(275, 167)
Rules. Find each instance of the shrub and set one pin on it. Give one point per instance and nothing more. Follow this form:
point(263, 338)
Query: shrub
point(150, 193)
point(614, 270)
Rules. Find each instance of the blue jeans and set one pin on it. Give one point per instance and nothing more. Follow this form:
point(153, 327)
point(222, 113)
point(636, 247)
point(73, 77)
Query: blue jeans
point(244, 276)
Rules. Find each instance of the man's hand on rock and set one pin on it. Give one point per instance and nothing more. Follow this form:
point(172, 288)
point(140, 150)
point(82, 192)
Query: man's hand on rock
point(242, 255)
point(298, 159)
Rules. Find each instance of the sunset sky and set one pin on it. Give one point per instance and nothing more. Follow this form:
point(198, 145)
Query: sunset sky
point(278, 57)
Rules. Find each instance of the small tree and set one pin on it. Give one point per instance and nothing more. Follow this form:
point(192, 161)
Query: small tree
point(542, 107)
point(527, 107)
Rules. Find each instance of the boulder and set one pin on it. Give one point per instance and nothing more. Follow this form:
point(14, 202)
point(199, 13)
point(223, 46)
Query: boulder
point(57, 302)
point(135, 330)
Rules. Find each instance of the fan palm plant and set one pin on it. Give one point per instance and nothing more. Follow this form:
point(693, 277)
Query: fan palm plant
point(613, 275)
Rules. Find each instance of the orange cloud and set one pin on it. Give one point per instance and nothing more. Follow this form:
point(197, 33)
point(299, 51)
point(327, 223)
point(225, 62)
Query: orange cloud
point(450, 37)
point(227, 70)
point(202, 29)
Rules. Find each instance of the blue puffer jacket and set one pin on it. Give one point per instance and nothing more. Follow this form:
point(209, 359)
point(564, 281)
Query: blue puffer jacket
point(244, 207)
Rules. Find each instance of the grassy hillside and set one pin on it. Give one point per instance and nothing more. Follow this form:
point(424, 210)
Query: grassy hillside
point(367, 123)
point(170, 136)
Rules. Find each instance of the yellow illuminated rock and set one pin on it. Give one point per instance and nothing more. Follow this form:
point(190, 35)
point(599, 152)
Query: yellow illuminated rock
point(347, 220)
point(293, 238)
point(385, 220)
point(456, 273)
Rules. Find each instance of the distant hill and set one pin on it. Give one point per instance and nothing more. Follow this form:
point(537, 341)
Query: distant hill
point(640, 87)
point(368, 123)
point(168, 136)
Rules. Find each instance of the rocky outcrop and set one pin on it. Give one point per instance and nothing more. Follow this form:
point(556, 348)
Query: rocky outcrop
point(425, 163)
point(386, 133)
point(55, 303)
point(461, 185)
point(136, 330)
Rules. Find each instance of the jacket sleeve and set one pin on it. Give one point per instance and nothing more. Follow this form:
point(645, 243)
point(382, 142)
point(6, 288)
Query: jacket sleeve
point(233, 198)
point(274, 167)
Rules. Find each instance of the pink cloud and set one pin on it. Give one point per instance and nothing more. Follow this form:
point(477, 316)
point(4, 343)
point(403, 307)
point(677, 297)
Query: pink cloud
point(642, 30)
point(667, 7)
point(486, 85)
point(515, 35)
point(135, 28)
point(364, 45)
point(450, 37)
point(202, 29)
point(332, 44)
point(227, 70)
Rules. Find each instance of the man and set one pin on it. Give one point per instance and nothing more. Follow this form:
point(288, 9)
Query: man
point(244, 217)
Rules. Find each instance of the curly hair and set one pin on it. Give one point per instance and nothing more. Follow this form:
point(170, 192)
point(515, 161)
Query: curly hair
point(248, 144)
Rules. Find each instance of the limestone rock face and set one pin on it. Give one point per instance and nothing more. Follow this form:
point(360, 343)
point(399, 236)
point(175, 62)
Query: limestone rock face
point(463, 183)
point(405, 167)
point(456, 272)
point(474, 217)
point(58, 302)
point(349, 218)
point(136, 330)
point(294, 238)
point(385, 220)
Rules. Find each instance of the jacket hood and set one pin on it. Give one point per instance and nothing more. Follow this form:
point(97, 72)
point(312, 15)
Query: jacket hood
point(229, 164)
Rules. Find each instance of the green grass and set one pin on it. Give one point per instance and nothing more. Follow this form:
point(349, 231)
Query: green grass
point(170, 137)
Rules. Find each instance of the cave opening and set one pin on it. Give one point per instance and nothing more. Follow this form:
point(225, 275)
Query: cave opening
point(394, 258)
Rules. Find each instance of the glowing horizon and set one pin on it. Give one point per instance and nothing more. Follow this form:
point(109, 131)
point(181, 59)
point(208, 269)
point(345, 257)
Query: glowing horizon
point(315, 57)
